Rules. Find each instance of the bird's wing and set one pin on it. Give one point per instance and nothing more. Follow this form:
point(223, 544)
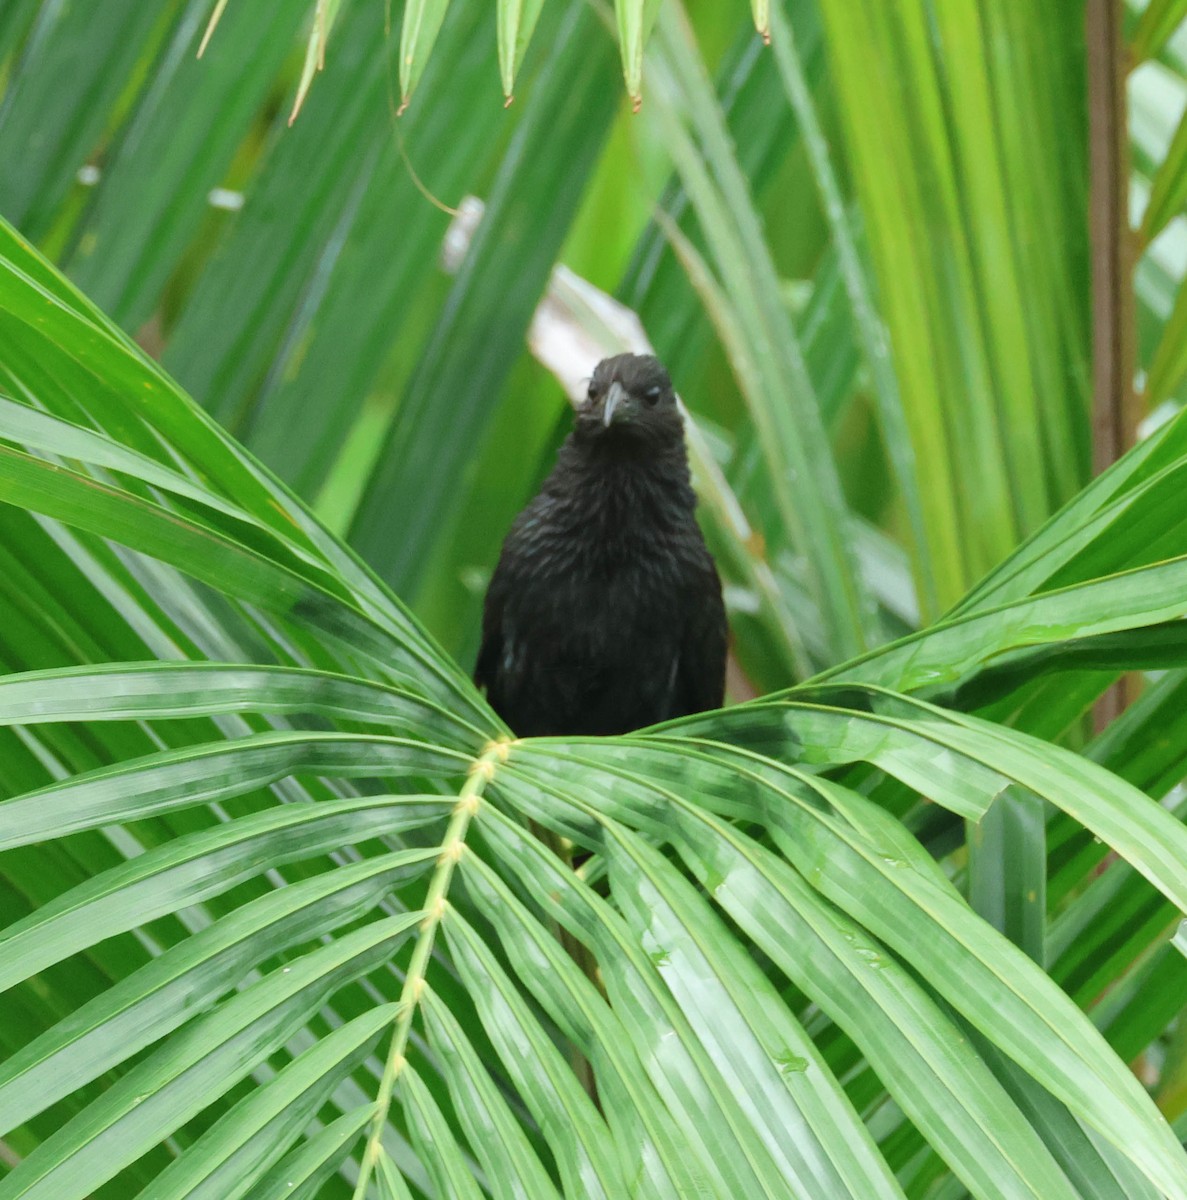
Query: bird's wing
point(700, 668)
point(490, 652)
point(502, 667)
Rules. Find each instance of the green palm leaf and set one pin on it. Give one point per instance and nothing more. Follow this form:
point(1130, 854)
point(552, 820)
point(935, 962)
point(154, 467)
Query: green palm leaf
point(284, 911)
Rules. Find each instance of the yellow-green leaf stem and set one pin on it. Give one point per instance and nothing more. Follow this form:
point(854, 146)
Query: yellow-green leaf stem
point(436, 904)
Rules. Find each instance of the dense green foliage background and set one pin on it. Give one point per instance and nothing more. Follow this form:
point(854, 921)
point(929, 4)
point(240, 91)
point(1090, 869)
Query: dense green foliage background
point(284, 913)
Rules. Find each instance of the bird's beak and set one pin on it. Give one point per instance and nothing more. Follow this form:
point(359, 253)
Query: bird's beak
point(615, 395)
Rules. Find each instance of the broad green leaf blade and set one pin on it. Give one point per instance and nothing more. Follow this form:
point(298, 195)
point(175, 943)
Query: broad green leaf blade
point(991, 362)
point(1145, 472)
point(448, 1164)
point(190, 869)
point(1142, 832)
point(238, 1149)
point(14, 24)
point(643, 1113)
point(89, 505)
point(1097, 1171)
point(172, 780)
point(187, 978)
point(953, 649)
point(480, 331)
point(153, 195)
point(922, 1060)
point(391, 1182)
point(45, 134)
point(773, 1069)
point(300, 1175)
point(862, 861)
point(160, 691)
point(870, 874)
point(204, 1060)
point(649, 1095)
point(101, 374)
point(773, 375)
point(575, 1130)
point(27, 426)
point(490, 1127)
point(859, 289)
point(1007, 871)
point(313, 318)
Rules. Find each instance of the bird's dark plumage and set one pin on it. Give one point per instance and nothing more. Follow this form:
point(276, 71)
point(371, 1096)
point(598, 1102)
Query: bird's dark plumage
point(604, 613)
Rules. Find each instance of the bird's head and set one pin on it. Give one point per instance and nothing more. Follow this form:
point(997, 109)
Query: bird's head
point(630, 402)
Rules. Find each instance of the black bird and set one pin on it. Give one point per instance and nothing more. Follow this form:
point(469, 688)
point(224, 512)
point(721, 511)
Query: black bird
point(604, 613)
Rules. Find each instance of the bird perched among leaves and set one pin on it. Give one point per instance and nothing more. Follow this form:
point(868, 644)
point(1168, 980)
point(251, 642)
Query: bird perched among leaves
point(604, 613)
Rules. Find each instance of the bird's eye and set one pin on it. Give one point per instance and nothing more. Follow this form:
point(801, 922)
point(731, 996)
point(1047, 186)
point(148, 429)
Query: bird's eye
point(651, 396)
point(593, 390)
